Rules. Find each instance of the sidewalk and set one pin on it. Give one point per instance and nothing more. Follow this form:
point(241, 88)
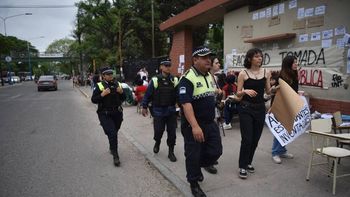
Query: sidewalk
point(269, 179)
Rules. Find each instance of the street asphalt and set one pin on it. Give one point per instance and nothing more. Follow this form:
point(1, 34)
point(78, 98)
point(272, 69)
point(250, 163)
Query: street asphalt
point(270, 179)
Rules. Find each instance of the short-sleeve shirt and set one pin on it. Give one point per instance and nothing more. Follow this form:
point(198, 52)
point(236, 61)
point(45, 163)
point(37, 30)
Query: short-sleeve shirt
point(199, 90)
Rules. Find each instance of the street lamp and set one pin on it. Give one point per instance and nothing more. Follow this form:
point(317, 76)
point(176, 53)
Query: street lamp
point(30, 65)
point(5, 18)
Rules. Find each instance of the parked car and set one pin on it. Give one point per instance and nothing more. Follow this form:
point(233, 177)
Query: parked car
point(15, 79)
point(47, 82)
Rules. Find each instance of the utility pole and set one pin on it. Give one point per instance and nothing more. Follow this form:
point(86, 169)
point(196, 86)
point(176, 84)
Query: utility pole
point(152, 8)
point(120, 45)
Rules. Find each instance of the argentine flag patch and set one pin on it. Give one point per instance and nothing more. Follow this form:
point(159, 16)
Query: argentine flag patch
point(182, 90)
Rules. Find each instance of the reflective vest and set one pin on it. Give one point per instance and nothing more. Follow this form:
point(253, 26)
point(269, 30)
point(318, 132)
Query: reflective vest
point(203, 86)
point(164, 90)
point(111, 101)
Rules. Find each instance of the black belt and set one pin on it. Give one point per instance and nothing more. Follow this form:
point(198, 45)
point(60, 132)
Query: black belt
point(113, 109)
point(252, 105)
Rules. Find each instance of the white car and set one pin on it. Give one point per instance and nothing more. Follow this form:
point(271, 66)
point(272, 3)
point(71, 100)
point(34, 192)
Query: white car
point(15, 79)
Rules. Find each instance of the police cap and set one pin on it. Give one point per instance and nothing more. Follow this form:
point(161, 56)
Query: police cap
point(202, 51)
point(166, 62)
point(106, 70)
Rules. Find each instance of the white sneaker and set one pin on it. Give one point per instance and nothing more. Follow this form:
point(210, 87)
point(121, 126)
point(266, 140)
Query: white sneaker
point(277, 159)
point(227, 126)
point(287, 156)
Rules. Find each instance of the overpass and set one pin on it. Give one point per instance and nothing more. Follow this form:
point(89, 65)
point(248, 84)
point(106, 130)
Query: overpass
point(41, 57)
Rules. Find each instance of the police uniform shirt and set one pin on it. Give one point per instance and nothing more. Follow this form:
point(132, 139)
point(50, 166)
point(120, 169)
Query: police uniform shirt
point(158, 111)
point(198, 89)
point(96, 97)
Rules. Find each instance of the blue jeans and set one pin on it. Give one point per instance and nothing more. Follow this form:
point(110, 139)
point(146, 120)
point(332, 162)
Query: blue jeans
point(277, 148)
point(229, 110)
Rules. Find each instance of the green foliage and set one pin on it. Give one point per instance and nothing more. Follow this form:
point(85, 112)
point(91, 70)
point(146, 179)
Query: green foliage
point(215, 38)
point(10, 45)
point(108, 32)
point(60, 46)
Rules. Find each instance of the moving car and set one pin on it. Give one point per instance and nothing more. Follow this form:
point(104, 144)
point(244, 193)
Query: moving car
point(47, 82)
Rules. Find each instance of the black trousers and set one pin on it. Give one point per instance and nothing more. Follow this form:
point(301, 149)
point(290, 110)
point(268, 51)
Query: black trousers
point(251, 122)
point(201, 154)
point(111, 122)
point(159, 124)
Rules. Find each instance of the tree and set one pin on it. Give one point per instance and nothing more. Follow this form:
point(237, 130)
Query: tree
point(16, 48)
point(60, 46)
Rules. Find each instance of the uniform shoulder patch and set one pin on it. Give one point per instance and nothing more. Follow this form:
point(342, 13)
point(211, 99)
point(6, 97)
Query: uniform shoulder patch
point(182, 90)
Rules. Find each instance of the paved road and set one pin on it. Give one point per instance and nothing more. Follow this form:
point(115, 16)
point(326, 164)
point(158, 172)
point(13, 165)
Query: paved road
point(51, 145)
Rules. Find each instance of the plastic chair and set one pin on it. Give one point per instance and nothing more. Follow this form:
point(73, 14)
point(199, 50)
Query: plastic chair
point(320, 146)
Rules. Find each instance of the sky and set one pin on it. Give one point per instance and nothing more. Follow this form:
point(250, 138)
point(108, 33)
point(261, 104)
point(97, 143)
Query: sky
point(51, 23)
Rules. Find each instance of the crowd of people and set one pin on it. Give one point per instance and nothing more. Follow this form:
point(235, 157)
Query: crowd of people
point(203, 93)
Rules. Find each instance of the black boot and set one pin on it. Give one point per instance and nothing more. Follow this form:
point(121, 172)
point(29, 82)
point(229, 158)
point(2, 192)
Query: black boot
point(211, 169)
point(156, 147)
point(116, 160)
point(171, 154)
point(196, 190)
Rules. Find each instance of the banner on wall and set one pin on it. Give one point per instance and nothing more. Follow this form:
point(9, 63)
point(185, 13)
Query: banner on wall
point(311, 56)
point(319, 67)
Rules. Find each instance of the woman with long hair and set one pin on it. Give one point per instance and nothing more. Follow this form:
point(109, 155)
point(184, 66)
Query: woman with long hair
point(252, 83)
point(289, 74)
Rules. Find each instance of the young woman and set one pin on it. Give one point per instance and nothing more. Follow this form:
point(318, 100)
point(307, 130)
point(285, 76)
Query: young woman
point(252, 83)
point(289, 74)
point(215, 67)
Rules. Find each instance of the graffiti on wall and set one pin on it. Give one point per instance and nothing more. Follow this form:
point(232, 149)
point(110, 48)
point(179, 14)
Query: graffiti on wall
point(337, 81)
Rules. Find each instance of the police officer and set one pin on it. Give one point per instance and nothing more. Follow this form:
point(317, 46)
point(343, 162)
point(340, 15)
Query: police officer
point(162, 93)
point(109, 96)
point(202, 138)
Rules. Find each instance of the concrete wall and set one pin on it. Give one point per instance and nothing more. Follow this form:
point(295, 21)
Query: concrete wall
point(336, 14)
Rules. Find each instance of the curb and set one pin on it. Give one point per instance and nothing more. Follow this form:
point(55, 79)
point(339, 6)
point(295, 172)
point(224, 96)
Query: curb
point(81, 91)
point(166, 172)
point(169, 175)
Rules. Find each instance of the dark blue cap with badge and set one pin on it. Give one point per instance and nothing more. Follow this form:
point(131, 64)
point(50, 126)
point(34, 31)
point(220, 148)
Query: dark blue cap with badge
point(106, 70)
point(166, 62)
point(202, 51)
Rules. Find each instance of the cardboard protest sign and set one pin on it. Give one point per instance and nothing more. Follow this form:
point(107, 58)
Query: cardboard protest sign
point(301, 124)
point(286, 105)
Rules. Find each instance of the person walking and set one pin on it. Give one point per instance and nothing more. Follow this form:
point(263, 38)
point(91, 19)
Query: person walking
point(215, 68)
point(109, 96)
point(252, 83)
point(162, 93)
point(201, 134)
point(289, 74)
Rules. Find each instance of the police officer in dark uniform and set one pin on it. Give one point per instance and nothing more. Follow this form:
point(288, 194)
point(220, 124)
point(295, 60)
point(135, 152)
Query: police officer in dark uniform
point(196, 91)
point(108, 94)
point(161, 92)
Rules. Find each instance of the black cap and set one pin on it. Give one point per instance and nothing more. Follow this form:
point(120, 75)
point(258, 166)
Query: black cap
point(106, 70)
point(202, 51)
point(166, 62)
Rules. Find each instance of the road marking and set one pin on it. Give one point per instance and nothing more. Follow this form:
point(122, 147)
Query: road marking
point(16, 96)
